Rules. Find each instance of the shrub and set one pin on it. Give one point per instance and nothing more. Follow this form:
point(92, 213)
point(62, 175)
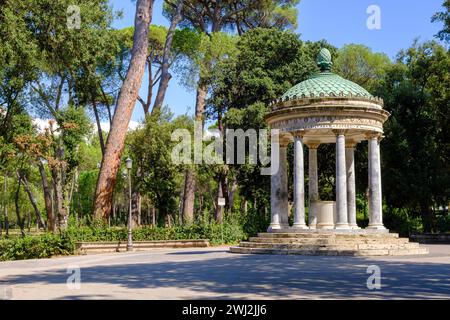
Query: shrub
point(43, 246)
point(217, 234)
point(48, 245)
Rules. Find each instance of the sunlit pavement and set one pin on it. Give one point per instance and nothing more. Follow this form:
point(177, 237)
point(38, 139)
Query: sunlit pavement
point(213, 273)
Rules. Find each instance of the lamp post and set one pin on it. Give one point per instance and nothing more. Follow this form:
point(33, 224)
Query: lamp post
point(129, 164)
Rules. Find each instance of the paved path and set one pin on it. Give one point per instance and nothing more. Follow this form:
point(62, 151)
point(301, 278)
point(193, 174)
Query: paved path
point(213, 273)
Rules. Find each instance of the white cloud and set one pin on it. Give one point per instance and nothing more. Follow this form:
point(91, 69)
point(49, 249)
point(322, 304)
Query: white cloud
point(133, 125)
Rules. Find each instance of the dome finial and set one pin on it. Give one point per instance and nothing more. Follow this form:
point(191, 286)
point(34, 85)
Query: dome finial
point(324, 60)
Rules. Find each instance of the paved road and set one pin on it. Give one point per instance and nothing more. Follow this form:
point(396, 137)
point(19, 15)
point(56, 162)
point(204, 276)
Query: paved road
point(213, 273)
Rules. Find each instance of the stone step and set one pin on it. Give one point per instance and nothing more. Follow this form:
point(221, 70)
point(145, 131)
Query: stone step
point(295, 235)
point(315, 246)
point(293, 240)
point(247, 250)
point(328, 235)
point(297, 246)
point(330, 240)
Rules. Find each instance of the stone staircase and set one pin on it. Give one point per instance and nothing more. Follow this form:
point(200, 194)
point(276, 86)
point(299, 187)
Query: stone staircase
point(330, 242)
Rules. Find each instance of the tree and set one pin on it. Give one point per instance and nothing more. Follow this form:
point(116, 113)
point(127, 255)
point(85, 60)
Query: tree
point(151, 147)
point(268, 63)
point(124, 108)
point(209, 17)
point(359, 64)
point(444, 34)
point(415, 91)
point(165, 75)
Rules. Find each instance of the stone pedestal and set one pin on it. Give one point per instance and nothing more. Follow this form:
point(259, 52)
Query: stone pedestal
point(325, 214)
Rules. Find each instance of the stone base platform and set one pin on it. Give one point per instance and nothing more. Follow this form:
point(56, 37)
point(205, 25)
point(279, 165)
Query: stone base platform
point(360, 242)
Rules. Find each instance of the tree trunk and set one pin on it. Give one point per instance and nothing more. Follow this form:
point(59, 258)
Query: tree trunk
point(135, 209)
point(200, 100)
point(189, 181)
point(218, 216)
point(125, 105)
point(5, 206)
point(232, 193)
point(99, 127)
point(20, 222)
point(32, 200)
point(181, 202)
point(225, 192)
point(189, 196)
point(153, 216)
point(47, 198)
point(165, 75)
point(60, 210)
point(428, 218)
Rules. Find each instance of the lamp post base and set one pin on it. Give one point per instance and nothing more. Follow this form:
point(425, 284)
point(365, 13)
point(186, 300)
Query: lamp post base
point(130, 241)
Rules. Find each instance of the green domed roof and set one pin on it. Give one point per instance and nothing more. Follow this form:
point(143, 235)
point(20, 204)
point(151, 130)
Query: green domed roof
point(325, 83)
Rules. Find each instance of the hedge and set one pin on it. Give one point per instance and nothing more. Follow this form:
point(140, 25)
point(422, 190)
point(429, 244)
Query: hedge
point(48, 245)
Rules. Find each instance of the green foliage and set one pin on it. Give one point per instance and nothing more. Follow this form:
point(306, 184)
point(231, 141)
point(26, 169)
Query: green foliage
point(416, 150)
point(44, 246)
point(254, 222)
point(359, 64)
point(444, 17)
point(401, 221)
point(230, 233)
point(83, 201)
point(151, 148)
point(243, 15)
point(75, 125)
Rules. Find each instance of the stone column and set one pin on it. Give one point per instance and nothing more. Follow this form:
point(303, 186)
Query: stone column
point(375, 199)
point(341, 182)
point(283, 191)
point(299, 183)
point(351, 188)
point(279, 189)
point(313, 184)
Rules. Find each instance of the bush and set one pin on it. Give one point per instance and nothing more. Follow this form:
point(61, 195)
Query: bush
point(43, 246)
point(401, 221)
point(443, 223)
point(217, 234)
point(48, 245)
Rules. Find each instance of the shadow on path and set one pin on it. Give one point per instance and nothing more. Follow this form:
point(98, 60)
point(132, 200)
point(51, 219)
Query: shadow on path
point(267, 276)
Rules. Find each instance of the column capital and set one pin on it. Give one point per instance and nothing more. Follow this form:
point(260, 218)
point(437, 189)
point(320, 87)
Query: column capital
point(374, 135)
point(350, 144)
point(339, 132)
point(285, 139)
point(299, 133)
point(313, 144)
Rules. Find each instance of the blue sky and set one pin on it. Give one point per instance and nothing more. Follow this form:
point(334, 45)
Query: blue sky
point(338, 21)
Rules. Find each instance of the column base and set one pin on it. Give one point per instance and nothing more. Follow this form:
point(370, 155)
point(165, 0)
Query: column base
point(324, 226)
point(342, 226)
point(312, 226)
point(376, 227)
point(299, 226)
point(354, 226)
point(274, 226)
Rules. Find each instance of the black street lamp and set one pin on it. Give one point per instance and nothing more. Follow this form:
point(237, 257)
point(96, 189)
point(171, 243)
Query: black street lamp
point(129, 165)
